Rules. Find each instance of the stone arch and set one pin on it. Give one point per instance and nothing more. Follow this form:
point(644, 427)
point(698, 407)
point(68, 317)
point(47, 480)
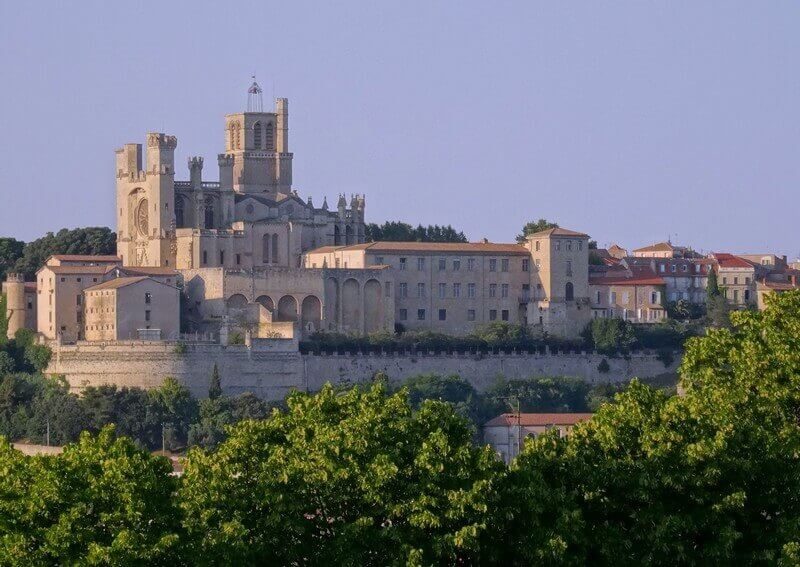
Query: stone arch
point(332, 302)
point(257, 135)
point(287, 308)
point(372, 306)
point(351, 306)
point(311, 313)
point(236, 301)
point(266, 302)
point(569, 292)
point(348, 234)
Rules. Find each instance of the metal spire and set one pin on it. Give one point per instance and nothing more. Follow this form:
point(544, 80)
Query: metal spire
point(254, 101)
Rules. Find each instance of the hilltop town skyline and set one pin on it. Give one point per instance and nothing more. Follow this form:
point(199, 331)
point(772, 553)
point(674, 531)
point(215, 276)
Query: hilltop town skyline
point(627, 122)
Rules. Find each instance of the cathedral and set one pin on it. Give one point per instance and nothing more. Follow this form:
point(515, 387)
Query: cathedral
point(251, 217)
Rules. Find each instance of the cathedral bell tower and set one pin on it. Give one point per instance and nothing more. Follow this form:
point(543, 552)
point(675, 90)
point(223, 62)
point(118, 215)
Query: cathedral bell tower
point(146, 202)
point(257, 143)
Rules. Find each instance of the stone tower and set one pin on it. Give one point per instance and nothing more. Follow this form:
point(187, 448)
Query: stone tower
point(257, 148)
point(15, 303)
point(146, 202)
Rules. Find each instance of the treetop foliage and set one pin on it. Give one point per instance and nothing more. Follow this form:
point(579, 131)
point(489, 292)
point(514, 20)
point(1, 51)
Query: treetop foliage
point(397, 231)
point(532, 227)
point(26, 258)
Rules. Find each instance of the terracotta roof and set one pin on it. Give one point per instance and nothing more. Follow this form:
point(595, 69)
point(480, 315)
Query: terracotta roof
point(634, 275)
point(777, 286)
point(78, 270)
point(532, 419)
point(726, 260)
point(149, 270)
point(557, 231)
point(117, 283)
point(323, 250)
point(423, 247)
point(658, 247)
point(86, 258)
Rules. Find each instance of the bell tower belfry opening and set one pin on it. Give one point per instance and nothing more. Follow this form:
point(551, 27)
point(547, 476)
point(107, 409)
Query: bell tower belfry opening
point(257, 142)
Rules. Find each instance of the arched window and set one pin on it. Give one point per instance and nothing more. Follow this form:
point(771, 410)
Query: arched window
point(569, 292)
point(274, 248)
point(209, 213)
point(270, 137)
point(348, 231)
point(179, 216)
point(337, 236)
point(257, 135)
point(265, 249)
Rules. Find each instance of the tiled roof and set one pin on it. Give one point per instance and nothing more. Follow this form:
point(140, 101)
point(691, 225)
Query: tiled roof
point(86, 258)
point(117, 283)
point(149, 270)
point(777, 286)
point(657, 247)
point(77, 270)
point(726, 260)
point(634, 275)
point(542, 419)
point(423, 247)
point(558, 231)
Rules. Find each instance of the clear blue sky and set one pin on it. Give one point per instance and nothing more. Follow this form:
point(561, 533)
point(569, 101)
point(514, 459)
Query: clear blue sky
point(628, 120)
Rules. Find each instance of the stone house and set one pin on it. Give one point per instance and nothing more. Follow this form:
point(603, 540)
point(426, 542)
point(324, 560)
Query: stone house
point(634, 293)
point(507, 432)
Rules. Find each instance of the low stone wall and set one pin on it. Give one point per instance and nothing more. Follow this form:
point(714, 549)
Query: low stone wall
point(270, 368)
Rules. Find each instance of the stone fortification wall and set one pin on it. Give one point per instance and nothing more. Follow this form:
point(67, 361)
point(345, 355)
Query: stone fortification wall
point(270, 368)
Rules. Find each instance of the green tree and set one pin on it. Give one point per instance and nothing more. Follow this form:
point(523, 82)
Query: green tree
point(341, 478)
point(404, 232)
point(218, 414)
point(702, 478)
point(176, 409)
point(611, 336)
point(90, 240)
point(712, 287)
point(102, 502)
point(215, 388)
point(533, 227)
point(10, 252)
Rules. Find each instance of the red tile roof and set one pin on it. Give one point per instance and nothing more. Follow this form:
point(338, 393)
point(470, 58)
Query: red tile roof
point(78, 270)
point(634, 275)
point(541, 419)
point(558, 231)
point(726, 260)
point(86, 258)
point(658, 247)
point(425, 247)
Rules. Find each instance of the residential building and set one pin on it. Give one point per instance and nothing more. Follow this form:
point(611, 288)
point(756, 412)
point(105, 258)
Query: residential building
point(634, 293)
point(507, 432)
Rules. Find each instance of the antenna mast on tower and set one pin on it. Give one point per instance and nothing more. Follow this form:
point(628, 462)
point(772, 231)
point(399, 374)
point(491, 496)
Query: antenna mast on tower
point(254, 101)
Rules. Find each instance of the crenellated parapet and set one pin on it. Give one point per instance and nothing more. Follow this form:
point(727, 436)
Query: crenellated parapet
point(162, 141)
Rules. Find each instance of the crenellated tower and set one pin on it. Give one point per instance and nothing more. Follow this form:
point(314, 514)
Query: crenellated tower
point(146, 202)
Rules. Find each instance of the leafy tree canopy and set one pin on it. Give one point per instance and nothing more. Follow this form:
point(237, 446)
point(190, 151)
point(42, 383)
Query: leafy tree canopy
point(533, 227)
point(90, 240)
point(402, 232)
point(703, 478)
point(341, 478)
point(102, 502)
point(10, 252)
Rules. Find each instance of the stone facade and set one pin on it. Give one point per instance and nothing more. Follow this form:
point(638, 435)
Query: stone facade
point(128, 307)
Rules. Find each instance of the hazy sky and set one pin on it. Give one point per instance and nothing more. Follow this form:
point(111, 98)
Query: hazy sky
point(631, 121)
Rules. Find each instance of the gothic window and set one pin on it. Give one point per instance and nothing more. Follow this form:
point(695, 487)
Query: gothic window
point(179, 215)
point(209, 213)
point(270, 137)
point(274, 248)
point(348, 235)
point(337, 236)
point(257, 135)
point(265, 249)
point(141, 217)
point(569, 292)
